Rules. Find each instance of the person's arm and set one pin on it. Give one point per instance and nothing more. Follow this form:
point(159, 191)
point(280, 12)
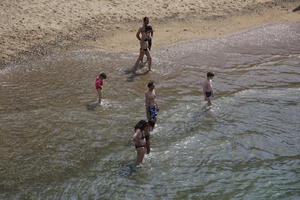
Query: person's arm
point(135, 137)
point(101, 84)
point(151, 33)
point(147, 136)
point(138, 34)
point(146, 99)
point(155, 103)
point(148, 145)
point(204, 87)
point(212, 92)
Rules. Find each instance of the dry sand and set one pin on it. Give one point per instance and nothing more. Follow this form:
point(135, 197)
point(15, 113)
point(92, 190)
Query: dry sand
point(30, 27)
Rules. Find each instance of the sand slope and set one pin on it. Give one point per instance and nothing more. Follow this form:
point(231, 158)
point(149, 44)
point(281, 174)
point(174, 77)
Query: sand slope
point(28, 24)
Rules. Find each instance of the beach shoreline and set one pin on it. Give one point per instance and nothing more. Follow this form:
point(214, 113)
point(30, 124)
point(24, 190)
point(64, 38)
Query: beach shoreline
point(113, 29)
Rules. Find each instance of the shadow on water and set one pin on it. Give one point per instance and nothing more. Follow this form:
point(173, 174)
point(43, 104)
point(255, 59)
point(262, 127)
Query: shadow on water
point(128, 169)
point(198, 115)
point(104, 105)
point(134, 75)
point(92, 106)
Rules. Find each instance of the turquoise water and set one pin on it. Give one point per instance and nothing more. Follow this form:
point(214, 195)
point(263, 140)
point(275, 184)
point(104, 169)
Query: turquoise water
point(246, 146)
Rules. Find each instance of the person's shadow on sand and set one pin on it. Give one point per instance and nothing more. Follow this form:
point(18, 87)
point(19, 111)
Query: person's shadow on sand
point(133, 72)
point(132, 76)
point(296, 9)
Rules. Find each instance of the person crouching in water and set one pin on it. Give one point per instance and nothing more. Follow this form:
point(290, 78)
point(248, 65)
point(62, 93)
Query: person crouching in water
point(139, 139)
point(207, 88)
point(150, 102)
point(99, 84)
point(144, 36)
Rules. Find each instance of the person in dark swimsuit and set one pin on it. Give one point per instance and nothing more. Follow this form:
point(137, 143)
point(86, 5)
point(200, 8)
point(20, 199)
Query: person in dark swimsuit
point(149, 33)
point(139, 139)
point(144, 35)
point(208, 94)
point(207, 88)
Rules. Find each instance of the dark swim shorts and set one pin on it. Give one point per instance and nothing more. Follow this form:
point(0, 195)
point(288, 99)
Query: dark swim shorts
point(208, 94)
point(152, 111)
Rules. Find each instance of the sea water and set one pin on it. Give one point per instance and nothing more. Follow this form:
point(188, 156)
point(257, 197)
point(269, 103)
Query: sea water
point(245, 146)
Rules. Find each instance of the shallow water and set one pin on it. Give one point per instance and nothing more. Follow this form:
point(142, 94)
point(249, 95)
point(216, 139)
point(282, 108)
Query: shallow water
point(246, 146)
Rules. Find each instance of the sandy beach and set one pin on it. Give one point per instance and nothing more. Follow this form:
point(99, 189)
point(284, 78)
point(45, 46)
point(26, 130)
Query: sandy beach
point(38, 27)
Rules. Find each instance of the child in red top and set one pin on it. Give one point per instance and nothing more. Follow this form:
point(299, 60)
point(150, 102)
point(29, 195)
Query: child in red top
point(99, 85)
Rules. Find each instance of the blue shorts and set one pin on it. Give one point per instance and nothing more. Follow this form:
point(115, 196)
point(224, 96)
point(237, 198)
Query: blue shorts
point(152, 112)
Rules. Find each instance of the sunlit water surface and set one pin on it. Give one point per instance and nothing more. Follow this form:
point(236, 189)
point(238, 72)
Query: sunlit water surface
point(55, 145)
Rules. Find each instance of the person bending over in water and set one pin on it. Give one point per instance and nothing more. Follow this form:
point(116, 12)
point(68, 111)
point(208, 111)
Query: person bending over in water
point(144, 35)
point(207, 88)
point(150, 102)
point(139, 139)
point(99, 84)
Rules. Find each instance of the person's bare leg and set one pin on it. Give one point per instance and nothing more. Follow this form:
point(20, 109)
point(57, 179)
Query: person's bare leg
point(140, 153)
point(142, 61)
point(99, 95)
point(149, 59)
point(140, 58)
point(209, 102)
point(154, 120)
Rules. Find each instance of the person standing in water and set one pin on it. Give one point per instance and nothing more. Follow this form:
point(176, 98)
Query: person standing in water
point(139, 139)
point(144, 35)
point(207, 88)
point(150, 102)
point(99, 84)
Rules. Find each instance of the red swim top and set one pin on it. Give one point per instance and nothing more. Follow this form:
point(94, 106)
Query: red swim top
point(98, 83)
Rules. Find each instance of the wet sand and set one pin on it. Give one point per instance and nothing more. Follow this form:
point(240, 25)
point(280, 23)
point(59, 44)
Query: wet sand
point(40, 26)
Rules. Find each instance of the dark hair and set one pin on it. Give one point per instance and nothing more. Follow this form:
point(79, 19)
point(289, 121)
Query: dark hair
point(102, 75)
point(150, 84)
point(142, 124)
point(210, 74)
point(145, 19)
point(151, 123)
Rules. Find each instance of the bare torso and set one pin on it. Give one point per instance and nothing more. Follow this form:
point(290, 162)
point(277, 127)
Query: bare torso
point(139, 138)
point(150, 98)
point(143, 41)
point(207, 86)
